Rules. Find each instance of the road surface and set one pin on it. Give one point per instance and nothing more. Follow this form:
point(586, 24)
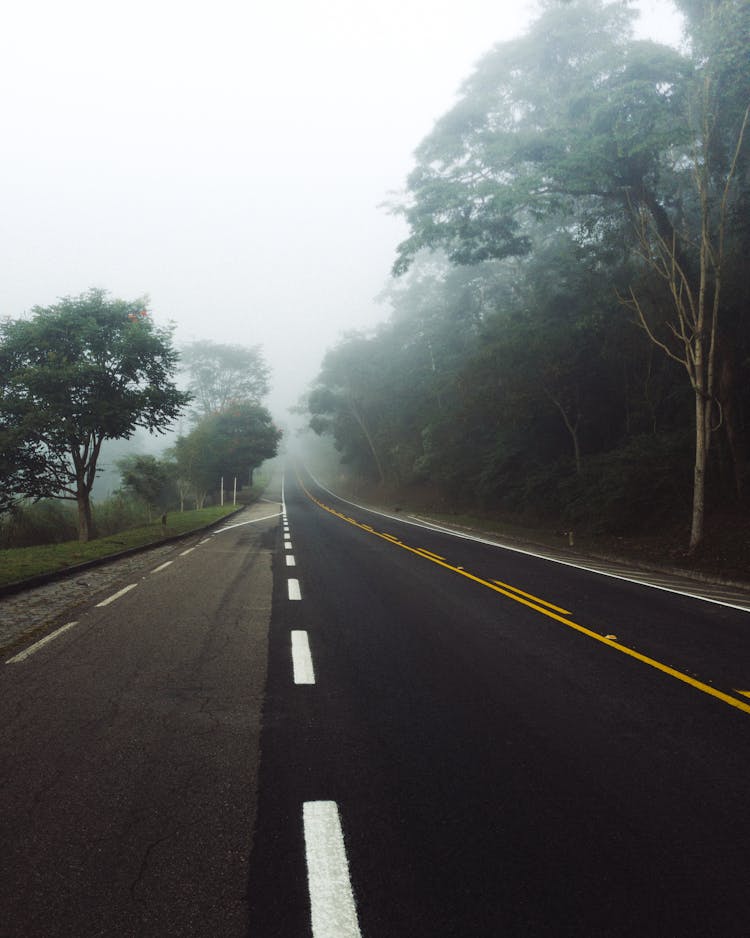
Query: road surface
point(332, 723)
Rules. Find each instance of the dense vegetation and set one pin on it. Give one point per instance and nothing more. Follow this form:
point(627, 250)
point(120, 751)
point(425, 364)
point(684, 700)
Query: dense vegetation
point(231, 433)
point(568, 334)
point(92, 368)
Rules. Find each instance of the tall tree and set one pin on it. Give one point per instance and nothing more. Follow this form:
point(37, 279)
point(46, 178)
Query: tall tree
point(568, 121)
point(694, 281)
point(232, 443)
point(579, 125)
point(74, 374)
point(219, 375)
point(347, 401)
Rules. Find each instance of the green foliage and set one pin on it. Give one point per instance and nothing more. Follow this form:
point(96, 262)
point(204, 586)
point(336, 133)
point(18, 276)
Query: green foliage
point(509, 374)
point(571, 118)
point(45, 522)
point(229, 444)
point(149, 479)
point(221, 375)
point(118, 513)
point(20, 563)
point(87, 369)
point(645, 482)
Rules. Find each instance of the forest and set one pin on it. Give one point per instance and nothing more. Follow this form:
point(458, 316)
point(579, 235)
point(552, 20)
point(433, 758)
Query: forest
point(567, 337)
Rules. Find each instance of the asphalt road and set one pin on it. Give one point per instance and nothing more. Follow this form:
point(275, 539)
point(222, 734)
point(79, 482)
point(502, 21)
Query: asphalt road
point(332, 723)
point(129, 749)
point(496, 768)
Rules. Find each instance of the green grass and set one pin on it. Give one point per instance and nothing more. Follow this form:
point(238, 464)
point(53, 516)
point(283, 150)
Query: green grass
point(20, 563)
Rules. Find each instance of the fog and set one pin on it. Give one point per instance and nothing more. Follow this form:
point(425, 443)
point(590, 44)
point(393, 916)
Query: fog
point(230, 160)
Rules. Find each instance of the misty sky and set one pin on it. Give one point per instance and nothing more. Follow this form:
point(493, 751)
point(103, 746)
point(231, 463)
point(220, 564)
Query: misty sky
point(228, 158)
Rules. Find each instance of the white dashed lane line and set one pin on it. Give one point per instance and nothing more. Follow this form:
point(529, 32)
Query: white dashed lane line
point(333, 913)
point(302, 664)
point(117, 595)
point(163, 566)
point(23, 655)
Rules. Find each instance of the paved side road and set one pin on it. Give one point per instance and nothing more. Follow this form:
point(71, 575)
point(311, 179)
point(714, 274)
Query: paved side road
point(129, 745)
point(29, 614)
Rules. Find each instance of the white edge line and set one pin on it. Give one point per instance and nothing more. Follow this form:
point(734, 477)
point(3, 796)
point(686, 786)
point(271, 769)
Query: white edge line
point(240, 524)
point(23, 655)
point(530, 553)
point(302, 663)
point(290, 561)
point(333, 913)
point(293, 589)
point(117, 595)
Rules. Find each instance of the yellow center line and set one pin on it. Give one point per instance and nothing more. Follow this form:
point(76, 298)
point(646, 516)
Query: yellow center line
point(543, 602)
point(518, 596)
point(429, 554)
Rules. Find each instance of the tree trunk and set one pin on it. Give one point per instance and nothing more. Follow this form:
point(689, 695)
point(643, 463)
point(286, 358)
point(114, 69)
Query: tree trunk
point(726, 395)
point(363, 426)
point(572, 429)
point(702, 429)
point(85, 519)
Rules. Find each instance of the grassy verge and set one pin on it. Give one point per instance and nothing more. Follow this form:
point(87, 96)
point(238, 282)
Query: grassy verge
point(23, 562)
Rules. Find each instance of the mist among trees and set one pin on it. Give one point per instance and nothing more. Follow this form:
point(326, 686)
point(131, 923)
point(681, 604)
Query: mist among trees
point(92, 369)
point(88, 369)
point(568, 335)
point(232, 432)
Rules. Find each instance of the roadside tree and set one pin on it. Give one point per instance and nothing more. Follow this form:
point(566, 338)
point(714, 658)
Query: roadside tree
point(87, 369)
point(219, 375)
point(232, 443)
point(149, 479)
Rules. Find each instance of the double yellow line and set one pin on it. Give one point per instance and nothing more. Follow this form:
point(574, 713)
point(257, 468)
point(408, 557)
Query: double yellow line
point(538, 605)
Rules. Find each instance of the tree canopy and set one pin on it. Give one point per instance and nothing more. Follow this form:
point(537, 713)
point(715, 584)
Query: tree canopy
point(220, 374)
point(87, 369)
point(584, 185)
point(229, 444)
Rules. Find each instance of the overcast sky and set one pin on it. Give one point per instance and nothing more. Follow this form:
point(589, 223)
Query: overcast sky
point(228, 158)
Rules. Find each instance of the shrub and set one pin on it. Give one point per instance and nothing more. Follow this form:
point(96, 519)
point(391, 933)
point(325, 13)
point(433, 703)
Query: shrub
point(29, 524)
